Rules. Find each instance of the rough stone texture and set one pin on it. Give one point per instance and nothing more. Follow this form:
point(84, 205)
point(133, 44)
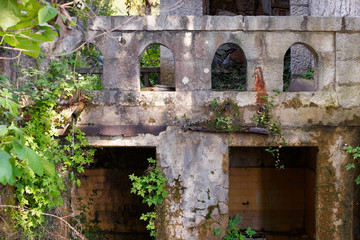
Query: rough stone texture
point(197, 163)
point(182, 8)
point(334, 8)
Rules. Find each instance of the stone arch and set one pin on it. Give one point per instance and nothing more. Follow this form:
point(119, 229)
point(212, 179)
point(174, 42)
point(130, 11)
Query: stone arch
point(300, 68)
point(157, 68)
point(228, 68)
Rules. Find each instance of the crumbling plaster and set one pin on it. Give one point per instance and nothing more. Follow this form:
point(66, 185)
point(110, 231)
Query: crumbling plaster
point(197, 162)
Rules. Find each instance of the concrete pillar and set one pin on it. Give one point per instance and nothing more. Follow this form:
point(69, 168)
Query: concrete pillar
point(180, 8)
point(301, 57)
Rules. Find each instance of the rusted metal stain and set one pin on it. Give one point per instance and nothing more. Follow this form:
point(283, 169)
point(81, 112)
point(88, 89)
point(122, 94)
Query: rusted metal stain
point(260, 86)
point(118, 130)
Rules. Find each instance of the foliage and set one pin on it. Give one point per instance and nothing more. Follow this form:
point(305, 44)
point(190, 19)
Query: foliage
point(235, 80)
point(309, 74)
point(234, 230)
point(31, 142)
point(13, 151)
point(151, 58)
point(88, 9)
point(226, 115)
point(264, 118)
point(26, 24)
point(142, 7)
point(355, 152)
point(151, 187)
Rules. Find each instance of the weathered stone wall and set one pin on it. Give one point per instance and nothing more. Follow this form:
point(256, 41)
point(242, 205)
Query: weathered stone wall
point(196, 164)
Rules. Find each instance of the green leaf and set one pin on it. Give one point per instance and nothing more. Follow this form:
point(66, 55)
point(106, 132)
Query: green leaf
point(350, 166)
point(46, 13)
point(49, 168)
point(24, 1)
point(78, 182)
point(10, 13)
point(34, 160)
point(7, 103)
point(3, 130)
point(6, 169)
point(18, 134)
point(357, 180)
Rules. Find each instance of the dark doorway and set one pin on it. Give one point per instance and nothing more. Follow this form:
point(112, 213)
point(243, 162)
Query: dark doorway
point(276, 203)
point(114, 207)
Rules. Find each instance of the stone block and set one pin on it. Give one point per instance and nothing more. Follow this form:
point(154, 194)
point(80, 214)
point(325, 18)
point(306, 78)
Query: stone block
point(257, 23)
point(283, 23)
point(117, 74)
point(230, 23)
point(348, 96)
point(347, 72)
point(188, 77)
point(324, 24)
point(101, 23)
point(345, 43)
point(352, 23)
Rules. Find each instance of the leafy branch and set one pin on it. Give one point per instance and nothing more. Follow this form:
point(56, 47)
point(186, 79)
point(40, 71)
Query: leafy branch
point(151, 187)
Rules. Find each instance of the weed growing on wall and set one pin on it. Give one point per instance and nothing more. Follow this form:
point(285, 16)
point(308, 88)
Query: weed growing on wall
point(225, 115)
point(234, 231)
point(355, 152)
point(264, 118)
point(151, 187)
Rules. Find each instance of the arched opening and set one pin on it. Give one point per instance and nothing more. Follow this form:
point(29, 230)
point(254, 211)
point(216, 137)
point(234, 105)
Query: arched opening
point(157, 69)
point(299, 69)
point(228, 68)
point(88, 61)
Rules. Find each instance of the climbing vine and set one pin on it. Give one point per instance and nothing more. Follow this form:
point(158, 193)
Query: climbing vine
point(264, 118)
point(151, 187)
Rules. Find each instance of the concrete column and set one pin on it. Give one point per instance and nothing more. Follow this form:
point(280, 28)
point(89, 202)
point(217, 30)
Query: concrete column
point(301, 57)
point(180, 8)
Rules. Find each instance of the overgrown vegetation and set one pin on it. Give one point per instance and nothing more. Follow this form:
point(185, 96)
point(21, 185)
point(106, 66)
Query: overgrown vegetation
point(40, 166)
point(225, 115)
point(151, 187)
point(355, 152)
point(234, 230)
point(228, 68)
point(264, 118)
point(26, 24)
point(150, 58)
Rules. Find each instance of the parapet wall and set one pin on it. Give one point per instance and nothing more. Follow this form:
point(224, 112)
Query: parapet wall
point(194, 41)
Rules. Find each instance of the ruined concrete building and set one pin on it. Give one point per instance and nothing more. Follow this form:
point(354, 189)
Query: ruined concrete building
point(214, 173)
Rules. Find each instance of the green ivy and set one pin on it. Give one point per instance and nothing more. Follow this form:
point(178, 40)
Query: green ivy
point(355, 152)
point(234, 230)
point(265, 119)
point(151, 187)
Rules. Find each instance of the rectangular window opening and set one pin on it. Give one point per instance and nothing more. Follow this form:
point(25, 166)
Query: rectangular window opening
point(276, 203)
point(114, 206)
